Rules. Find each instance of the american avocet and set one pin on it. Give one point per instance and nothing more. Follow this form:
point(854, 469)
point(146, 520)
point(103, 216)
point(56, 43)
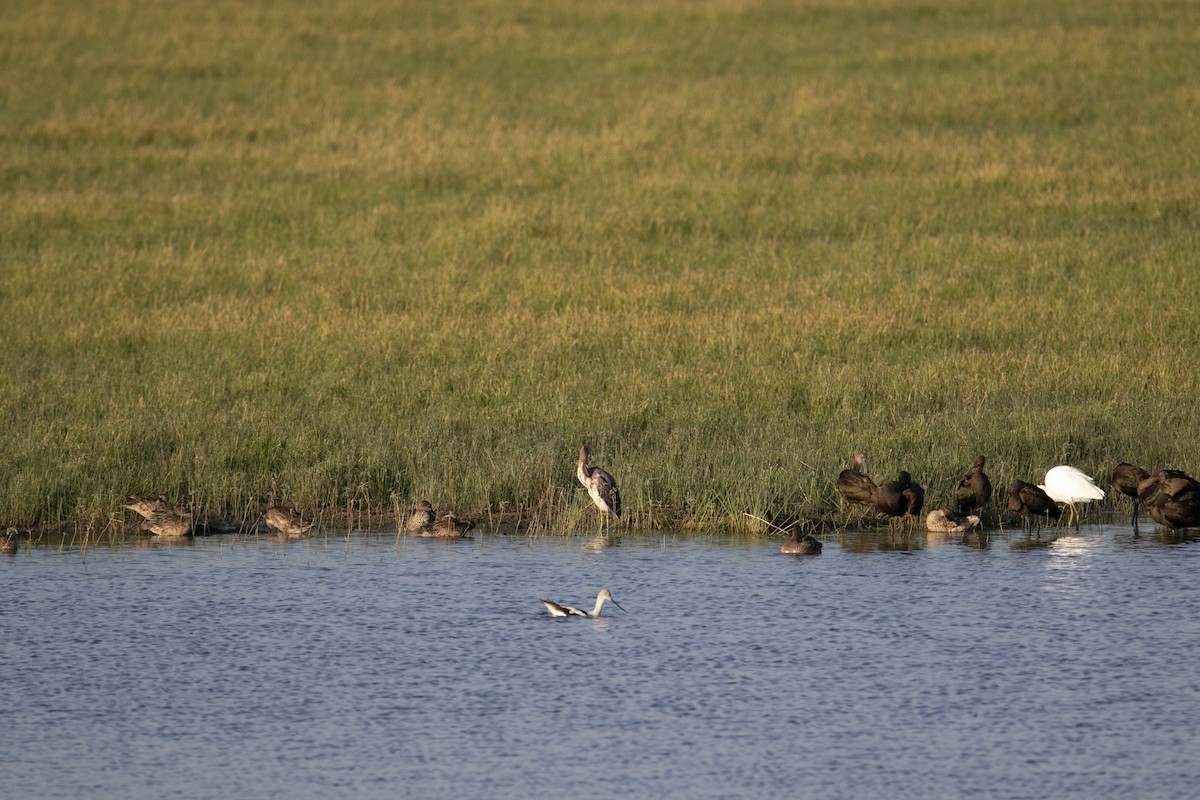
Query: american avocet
point(421, 517)
point(1031, 501)
point(601, 486)
point(559, 610)
point(943, 520)
point(1125, 480)
point(286, 520)
point(1070, 485)
point(974, 490)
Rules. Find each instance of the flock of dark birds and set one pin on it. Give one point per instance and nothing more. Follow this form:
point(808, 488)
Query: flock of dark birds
point(1172, 497)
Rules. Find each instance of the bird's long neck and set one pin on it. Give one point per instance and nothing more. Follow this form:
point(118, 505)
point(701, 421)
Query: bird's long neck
point(597, 607)
point(581, 470)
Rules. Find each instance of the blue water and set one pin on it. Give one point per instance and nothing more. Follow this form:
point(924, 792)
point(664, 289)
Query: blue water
point(369, 666)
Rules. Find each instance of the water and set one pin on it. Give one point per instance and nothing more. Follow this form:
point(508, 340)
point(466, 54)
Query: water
point(370, 667)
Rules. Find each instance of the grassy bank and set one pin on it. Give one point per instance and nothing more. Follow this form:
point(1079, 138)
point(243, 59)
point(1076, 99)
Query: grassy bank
point(370, 251)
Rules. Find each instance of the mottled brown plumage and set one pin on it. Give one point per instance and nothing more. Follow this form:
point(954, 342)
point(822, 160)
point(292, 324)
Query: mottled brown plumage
point(854, 485)
point(421, 517)
point(286, 520)
point(170, 524)
point(8, 542)
point(1171, 482)
point(448, 526)
point(975, 489)
point(146, 505)
point(944, 520)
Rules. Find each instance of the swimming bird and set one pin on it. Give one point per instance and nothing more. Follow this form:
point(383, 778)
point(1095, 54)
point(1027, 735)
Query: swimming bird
point(806, 545)
point(286, 520)
point(559, 610)
point(448, 527)
point(1125, 480)
point(1176, 513)
point(853, 484)
point(1031, 501)
point(145, 505)
point(943, 520)
point(421, 517)
point(601, 486)
point(8, 542)
point(170, 524)
point(975, 489)
point(1070, 485)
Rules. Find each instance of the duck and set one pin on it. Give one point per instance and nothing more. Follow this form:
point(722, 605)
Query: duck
point(172, 524)
point(449, 526)
point(806, 545)
point(944, 520)
point(287, 521)
point(421, 517)
point(146, 505)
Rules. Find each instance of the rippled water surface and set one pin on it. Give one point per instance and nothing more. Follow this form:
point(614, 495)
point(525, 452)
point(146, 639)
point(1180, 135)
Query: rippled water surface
point(368, 666)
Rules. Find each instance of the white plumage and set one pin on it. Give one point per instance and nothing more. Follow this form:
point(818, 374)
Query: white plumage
point(560, 610)
point(1070, 485)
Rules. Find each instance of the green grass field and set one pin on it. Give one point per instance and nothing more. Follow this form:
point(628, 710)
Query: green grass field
point(356, 254)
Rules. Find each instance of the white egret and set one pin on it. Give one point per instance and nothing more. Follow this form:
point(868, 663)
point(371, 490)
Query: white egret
point(1070, 485)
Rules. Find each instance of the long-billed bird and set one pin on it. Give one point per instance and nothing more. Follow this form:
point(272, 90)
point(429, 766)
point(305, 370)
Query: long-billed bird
point(1070, 485)
point(560, 610)
point(899, 497)
point(1174, 483)
point(975, 489)
point(1176, 513)
point(853, 483)
point(1031, 501)
point(601, 486)
point(1125, 480)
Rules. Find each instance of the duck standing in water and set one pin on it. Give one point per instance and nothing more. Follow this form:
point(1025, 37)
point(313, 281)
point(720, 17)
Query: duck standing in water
point(559, 610)
point(601, 486)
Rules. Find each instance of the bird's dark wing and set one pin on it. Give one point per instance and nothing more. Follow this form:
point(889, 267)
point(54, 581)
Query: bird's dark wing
point(606, 487)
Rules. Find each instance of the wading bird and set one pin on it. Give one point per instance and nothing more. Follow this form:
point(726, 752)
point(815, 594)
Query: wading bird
point(170, 524)
point(421, 517)
point(601, 486)
point(943, 520)
point(974, 490)
point(145, 505)
point(8, 542)
point(899, 497)
point(287, 521)
point(1031, 501)
point(806, 545)
point(1174, 483)
point(1176, 513)
point(559, 610)
point(1070, 485)
point(1125, 480)
point(854, 485)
